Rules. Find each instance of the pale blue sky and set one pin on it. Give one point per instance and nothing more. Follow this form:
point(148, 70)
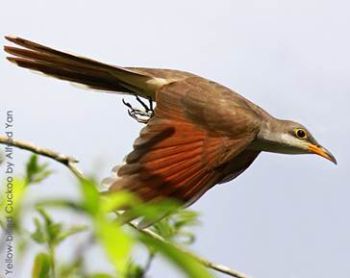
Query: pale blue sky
point(287, 216)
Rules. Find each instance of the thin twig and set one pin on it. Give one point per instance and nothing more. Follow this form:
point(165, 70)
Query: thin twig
point(71, 163)
point(218, 267)
point(147, 266)
point(66, 160)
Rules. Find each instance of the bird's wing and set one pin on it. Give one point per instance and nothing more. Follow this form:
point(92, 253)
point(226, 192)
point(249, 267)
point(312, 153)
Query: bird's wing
point(209, 106)
point(189, 144)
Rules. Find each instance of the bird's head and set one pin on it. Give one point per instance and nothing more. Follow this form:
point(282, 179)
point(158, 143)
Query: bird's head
point(282, 136)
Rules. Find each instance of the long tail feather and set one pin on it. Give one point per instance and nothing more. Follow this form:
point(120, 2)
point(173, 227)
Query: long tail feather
point(81, 70)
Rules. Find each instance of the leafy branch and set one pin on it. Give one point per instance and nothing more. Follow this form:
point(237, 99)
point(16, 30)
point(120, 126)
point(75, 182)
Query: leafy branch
point(162, 238)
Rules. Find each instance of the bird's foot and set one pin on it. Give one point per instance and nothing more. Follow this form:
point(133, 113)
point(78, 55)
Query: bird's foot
point(140, 115)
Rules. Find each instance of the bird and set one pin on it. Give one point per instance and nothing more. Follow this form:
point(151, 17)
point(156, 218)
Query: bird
point(200, 133)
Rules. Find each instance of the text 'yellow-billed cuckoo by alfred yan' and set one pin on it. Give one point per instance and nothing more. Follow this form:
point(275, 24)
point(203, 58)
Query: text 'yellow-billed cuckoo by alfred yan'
point(200, 134)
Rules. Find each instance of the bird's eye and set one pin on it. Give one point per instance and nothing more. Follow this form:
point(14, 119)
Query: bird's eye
point(300, 133)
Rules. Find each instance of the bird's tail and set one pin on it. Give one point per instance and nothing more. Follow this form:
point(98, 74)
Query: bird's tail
point(81, 70)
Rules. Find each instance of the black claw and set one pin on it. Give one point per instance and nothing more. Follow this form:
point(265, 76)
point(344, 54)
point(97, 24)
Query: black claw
point(127, 104)
point(150, 104)
point(140, 115)
point(142, 103)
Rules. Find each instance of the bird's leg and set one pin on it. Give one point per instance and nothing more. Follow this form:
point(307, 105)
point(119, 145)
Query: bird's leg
point(140, 115)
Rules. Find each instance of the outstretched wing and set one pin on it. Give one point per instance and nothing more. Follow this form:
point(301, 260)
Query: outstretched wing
point(191, 143)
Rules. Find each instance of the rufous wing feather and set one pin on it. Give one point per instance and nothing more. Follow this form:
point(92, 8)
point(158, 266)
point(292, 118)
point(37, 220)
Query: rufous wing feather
point(179, 155)
point(172, 162)
point(176, 160)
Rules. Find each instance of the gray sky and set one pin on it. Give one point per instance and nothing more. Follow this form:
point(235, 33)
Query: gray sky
point(287, 215)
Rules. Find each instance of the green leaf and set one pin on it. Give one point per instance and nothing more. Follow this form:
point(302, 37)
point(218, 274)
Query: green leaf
point(61, 203)
point(115, 242)
point(18, 187)
point(134, 270)
point(41, 266)
point(164, 229)
point(38, 235)
point(174, 227)
point(11, 202)
point(183, 261)
point(72, 231)
point(52, 229)
point(51, 232)
point(152, 212)
point(118, 200)
point(185, 217)
point(71, 270)
point(90, 195)
point(35, 172)
point(32, 166)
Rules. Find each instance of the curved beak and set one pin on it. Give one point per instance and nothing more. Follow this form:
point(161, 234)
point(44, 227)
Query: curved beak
point(321, 151)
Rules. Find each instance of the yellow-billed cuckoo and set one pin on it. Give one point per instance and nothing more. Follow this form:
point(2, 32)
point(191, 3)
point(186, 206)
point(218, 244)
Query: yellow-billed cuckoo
point(201, 133)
